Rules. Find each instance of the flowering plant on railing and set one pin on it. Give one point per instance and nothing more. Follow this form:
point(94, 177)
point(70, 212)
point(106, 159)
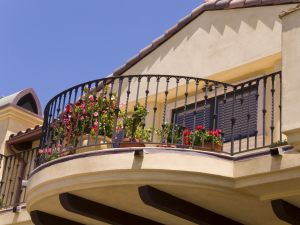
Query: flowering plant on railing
point(93, 113)
point(202, 137)
point(48, 154)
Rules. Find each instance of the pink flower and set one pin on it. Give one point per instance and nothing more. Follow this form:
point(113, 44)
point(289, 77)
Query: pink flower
point(91, 98)
point(82, 106)
point(96, 114)
point(40, 151)
point(49, 151)
point(59, 145)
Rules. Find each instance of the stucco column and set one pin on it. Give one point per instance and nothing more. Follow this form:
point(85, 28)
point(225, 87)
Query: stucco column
point(291, 75)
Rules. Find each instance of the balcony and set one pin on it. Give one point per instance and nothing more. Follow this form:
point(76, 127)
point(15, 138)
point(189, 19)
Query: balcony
point(173, 112)
point(101, 124)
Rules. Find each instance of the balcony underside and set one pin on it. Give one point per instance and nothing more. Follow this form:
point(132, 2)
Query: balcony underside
point(234, 189)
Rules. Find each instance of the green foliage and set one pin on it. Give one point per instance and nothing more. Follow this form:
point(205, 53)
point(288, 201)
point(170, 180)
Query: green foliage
point(134, 127)
point(172, 133)
point(1, 204)
point(279, 143)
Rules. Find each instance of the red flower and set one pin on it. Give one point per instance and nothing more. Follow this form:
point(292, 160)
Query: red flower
point(186, 140)
point(215, 133)
point(211, 132)
point(68, 108)
point(200, 127)
point(186, 132)
point(218, 132)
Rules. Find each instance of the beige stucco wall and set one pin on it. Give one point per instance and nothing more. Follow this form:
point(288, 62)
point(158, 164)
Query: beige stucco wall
point(218, 41)
point(246, 184)
point(291, 78)
point(14, 120)
point(10, 218)
point(229, 45)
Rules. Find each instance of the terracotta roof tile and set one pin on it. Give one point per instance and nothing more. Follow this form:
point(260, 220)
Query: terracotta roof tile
point(249, 3)
point(222, 4)
point(236, 4)
point(207, 6)
point(27, 131)
point(266, 2)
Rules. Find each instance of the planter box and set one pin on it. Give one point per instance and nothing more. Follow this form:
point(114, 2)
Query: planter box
point(167, 146)
point(127, 143)
point(92, 146)
point(208, 146)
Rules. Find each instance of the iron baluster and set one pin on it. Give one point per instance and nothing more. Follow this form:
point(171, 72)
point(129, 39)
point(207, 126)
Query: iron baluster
point(264, 111)
point(272, 110)
point(164, 110)
point(195, 112)
point(175, 106)
point(233, 120)
point(155, 108)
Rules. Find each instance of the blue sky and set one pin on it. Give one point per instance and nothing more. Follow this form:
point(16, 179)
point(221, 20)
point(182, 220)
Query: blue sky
point(55, 44)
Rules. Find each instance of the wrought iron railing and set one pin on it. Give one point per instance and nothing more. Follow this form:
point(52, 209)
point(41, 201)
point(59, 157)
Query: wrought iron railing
point(151, 110)
point(165, 111)
point(13, 169)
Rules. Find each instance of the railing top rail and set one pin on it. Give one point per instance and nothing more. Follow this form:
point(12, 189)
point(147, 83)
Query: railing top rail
point(179, 77)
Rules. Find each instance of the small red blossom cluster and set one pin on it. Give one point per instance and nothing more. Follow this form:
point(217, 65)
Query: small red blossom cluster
point(200, 134)
point(215, 133)
point(186, 137)
point(200, 127)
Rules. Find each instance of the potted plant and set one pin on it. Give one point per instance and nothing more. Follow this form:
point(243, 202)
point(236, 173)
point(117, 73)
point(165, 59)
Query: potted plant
point(202, 138)
point(90, 117)
point(133, 130)
point(170, 134)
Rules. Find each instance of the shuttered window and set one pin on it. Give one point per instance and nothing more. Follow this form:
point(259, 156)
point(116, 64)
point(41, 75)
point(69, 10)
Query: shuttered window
point(245, 114)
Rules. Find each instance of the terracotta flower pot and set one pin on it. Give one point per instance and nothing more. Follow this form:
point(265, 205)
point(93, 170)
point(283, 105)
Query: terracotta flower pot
point(166, 146)
point(100, 140)
point(217, 147)
point(126, 143)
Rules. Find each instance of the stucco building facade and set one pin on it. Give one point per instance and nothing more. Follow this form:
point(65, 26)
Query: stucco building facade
point(201, 127)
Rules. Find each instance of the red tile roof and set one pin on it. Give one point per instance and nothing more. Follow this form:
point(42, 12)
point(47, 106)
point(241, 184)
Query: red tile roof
point(31, 134)
point(207, 6)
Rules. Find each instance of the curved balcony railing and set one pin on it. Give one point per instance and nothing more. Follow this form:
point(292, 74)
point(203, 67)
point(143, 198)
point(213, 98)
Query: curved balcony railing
point(165, 111)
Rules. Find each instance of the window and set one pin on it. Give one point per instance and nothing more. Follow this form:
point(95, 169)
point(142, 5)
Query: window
point(243, 126)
